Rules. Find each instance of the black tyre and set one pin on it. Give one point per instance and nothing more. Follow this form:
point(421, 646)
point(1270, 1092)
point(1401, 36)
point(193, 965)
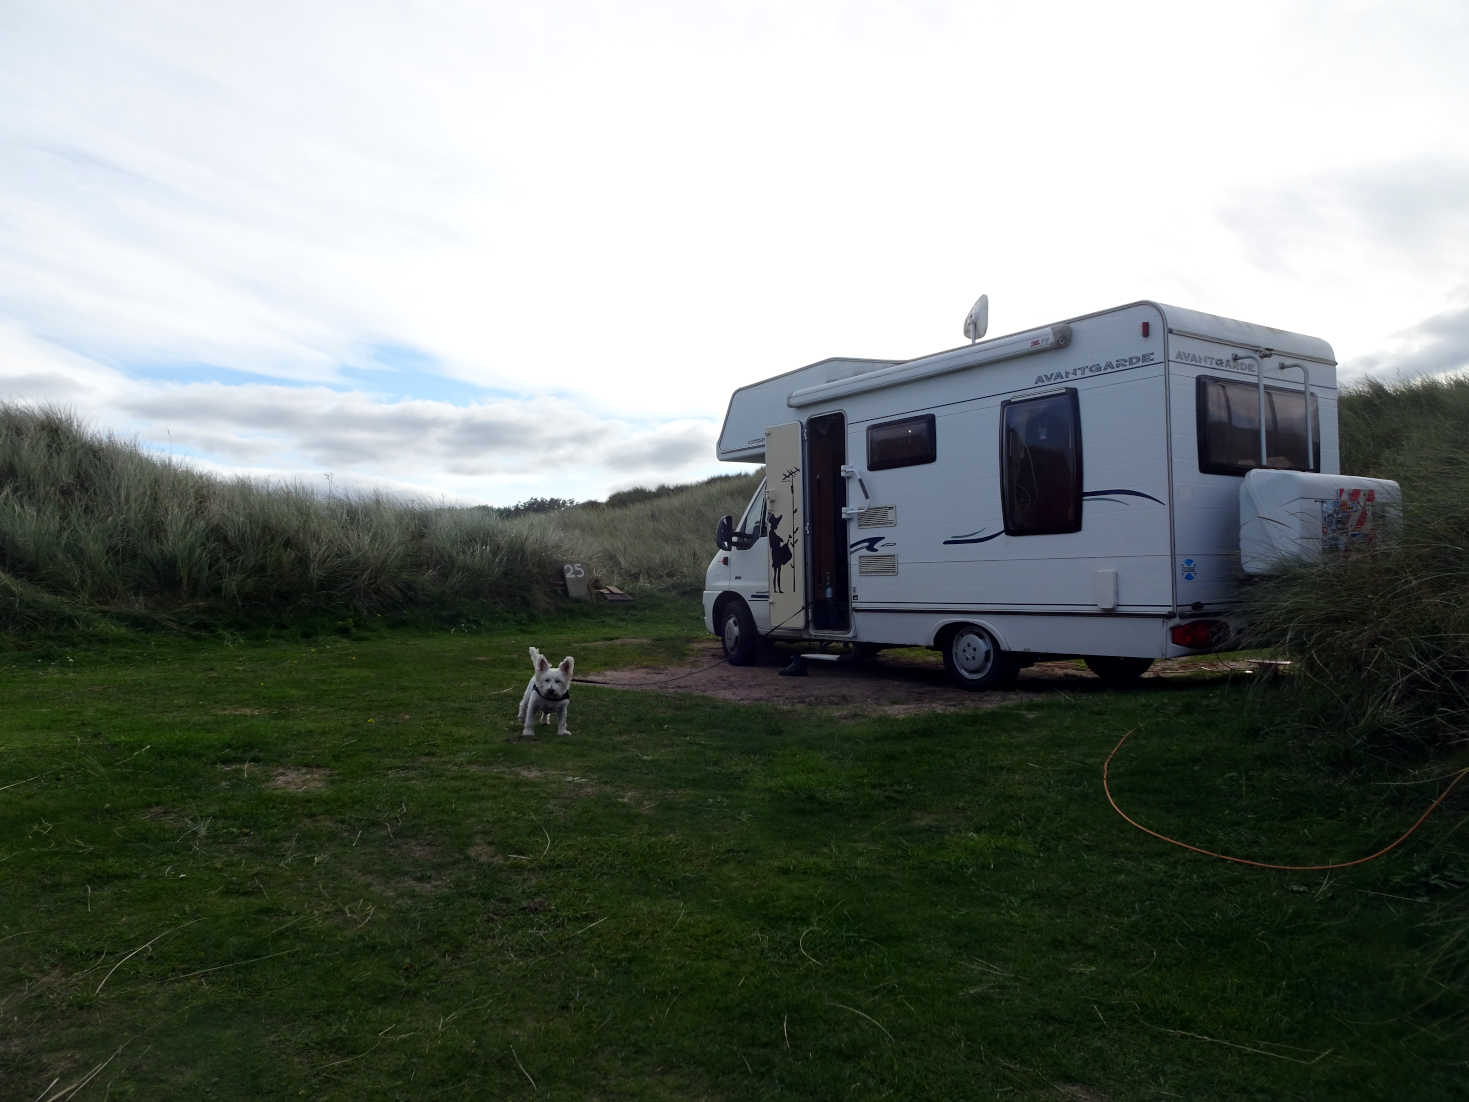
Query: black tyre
point(975, 661)
point(737, 633)
point(1118, 672)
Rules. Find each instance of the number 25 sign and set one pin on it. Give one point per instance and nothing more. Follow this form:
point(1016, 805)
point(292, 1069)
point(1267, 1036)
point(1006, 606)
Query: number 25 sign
point(575, 574)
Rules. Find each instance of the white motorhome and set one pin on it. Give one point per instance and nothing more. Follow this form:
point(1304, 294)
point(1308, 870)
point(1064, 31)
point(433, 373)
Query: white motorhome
point(1071, 490)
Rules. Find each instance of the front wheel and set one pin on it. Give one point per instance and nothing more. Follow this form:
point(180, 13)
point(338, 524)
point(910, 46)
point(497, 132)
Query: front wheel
point(975, 661)
point(1117, 673)
point(737, 633)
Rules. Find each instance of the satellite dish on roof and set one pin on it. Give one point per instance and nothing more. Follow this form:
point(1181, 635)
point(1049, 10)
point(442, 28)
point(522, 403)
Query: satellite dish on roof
point(978, 320)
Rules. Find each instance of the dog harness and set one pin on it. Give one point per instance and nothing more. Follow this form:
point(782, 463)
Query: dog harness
point(551, 699)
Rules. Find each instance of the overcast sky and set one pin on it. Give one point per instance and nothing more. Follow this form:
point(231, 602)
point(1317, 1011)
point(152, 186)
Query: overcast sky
point(486, 251)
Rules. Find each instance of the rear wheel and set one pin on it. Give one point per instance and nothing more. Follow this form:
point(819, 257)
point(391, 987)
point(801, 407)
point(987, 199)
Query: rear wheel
point(1118, 672)
point(737, 633)
point(975, 661)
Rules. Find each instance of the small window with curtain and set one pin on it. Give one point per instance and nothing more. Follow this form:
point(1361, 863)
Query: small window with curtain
point(1229, 427)
point(1040, 464)
point(905, 443)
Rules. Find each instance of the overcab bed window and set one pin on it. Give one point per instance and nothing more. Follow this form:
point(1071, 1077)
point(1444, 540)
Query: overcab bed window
point(1040, 464)
point(1229, 427)
point(905, 443)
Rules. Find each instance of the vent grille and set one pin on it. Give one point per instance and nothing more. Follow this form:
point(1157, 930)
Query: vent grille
point(877, 564)
point(878, 516)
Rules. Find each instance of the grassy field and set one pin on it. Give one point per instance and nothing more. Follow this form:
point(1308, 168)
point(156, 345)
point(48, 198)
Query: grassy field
point(321, 868)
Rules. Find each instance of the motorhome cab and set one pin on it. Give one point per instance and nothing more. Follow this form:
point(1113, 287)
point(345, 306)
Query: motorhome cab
point(1072, 490)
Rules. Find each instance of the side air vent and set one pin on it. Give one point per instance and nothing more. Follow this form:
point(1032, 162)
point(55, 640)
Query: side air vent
point(878, 516)
point(879, 565)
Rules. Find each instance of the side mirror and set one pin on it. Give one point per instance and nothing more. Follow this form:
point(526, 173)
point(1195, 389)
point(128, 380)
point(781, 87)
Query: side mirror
point(723, 532)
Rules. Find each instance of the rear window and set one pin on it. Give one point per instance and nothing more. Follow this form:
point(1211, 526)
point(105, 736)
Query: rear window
point(905, 443)
point(1040, 464)
point(1229, 427)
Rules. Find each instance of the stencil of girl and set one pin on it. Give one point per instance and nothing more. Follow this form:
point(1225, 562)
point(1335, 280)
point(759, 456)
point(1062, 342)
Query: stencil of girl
point(780, 553)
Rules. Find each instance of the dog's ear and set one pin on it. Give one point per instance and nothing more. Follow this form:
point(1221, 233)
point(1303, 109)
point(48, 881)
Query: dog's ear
point(538, 661)
point(567, 665)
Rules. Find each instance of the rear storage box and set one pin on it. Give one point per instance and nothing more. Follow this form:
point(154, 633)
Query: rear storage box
point(1294, 516)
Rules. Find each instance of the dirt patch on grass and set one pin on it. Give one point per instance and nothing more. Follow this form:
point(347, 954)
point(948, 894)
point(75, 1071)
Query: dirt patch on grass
point(291, 778)
point(298, 779)
point(482, 853)
point(904, 682)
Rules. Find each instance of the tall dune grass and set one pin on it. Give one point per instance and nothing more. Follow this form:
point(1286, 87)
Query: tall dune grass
point(92, 527)
point(1382, 641)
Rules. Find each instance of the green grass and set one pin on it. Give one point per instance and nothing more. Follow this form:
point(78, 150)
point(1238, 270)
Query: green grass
point(320, 868)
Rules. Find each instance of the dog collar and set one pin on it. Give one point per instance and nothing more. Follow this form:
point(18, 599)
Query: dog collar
point(552, 699)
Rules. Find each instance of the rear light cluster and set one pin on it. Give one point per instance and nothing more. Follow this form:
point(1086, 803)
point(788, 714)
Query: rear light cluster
point(1200, 634)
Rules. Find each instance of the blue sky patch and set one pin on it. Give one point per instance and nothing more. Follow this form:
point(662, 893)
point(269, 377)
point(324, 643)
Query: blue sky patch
point(393, 372)
point(208, 373)
point(400, 371)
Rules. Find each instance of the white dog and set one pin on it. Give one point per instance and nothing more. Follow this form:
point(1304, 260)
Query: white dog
point(548, 694)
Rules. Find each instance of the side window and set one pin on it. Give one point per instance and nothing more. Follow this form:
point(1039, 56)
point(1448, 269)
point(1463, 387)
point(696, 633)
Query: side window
point(752, 524)
point(905, 443)
point(1229, 427)
point(1040, 464)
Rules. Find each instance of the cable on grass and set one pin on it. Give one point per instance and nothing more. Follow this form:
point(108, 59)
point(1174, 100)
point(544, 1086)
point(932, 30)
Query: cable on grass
point(1106, 765)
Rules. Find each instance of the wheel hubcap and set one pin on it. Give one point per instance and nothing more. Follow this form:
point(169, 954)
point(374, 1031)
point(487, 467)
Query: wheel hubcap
point(973, 654)
point(731, 634)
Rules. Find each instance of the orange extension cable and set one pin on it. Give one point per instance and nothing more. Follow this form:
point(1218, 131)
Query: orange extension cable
point(1106, 765)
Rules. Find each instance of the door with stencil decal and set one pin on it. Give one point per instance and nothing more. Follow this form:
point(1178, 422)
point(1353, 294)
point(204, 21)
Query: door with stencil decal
point(785, 512)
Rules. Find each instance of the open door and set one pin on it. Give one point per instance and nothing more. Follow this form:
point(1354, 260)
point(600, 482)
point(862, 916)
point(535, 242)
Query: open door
point(785, 512)
point(827, 556)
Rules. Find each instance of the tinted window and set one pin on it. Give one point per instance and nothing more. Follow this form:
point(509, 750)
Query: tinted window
point(1040, 465)
point(1229, 427)
point(904, 443)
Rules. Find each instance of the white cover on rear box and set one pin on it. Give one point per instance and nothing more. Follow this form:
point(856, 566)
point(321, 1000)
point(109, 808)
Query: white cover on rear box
point(1296, 516)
